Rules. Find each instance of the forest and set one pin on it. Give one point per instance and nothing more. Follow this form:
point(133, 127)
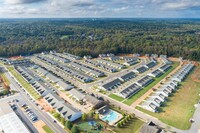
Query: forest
point(173, 37)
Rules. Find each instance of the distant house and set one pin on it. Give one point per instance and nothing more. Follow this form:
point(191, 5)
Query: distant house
point(102, 55)
point(151, 64)
point(87, 57)
point(52, 78)
point(42, 71)
point(149, 106)
point(41, 88)
point(129, 91)
point(114, 58)
point(93, 101)
point(144, 81)
point(68, 112)
point(53, 100)
point(127, 76)
point(76, 94)
point(111, 85)
point(155, 73)
point(130, 62)
point(64, 86)
point(150, 128)
point(164, 68)
point(140, 69)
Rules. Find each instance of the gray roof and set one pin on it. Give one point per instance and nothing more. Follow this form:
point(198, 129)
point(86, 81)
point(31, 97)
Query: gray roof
point(165, 67)
point(77, 94)
point(64, 85)
point(141, 69)
point(147, 128)
point(9, 121)
point(111, 83)
point(127, 75)
point(151, 64)
point(130, 90)
point(42, 71)
point(40, 87)
point(67, 110)
point(52, 77)
point(53, 99)
point(145, 81)
point(92, 100)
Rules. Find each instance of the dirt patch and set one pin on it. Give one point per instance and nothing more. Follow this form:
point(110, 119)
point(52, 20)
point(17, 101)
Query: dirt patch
point(44, 105)
point(38, 125)
point(196, 74)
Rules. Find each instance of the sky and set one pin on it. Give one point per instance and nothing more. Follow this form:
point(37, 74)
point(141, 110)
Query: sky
point(99, 8)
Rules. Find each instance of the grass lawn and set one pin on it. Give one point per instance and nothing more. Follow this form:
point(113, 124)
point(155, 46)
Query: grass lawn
point(25, 84)
point(132, 99)
point(118, 98)
point(47, 129)
point(132, 126)
point(84, 126)
point(5, 78)
point(180, 107)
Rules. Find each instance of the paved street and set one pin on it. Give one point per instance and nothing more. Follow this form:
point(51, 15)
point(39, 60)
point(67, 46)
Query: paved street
point(41, 114)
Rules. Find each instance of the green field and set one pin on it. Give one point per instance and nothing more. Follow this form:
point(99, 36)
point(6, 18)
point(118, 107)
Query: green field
point(180, 107)
point(132, 126)
point(5, 78)
point(84, 126)
point(132, 99)
point(118, 98)
point(47, 129)
point(25, 84)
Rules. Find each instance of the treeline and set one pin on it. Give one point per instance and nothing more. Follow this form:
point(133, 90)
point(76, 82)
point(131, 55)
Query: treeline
point(92, 37)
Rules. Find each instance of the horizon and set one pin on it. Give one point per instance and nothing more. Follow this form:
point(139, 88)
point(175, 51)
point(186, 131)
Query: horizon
point(99, 9)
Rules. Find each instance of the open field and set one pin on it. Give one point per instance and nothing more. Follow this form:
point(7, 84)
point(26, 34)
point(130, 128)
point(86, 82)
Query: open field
point(118, 98)
point(180, 108)
point(25, 84)
point(47, 129)
point(132, 99)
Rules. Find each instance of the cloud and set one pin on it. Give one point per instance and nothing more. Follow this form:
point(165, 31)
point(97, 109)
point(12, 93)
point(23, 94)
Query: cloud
point(99, 8)
point(124, 8)
point(181, 5)
point(22, 1)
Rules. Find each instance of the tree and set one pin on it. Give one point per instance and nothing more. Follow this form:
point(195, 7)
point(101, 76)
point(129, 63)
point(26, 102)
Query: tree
point(96, 116)
point(118, 124)
point(57, 116)
point(125, 119)
point(132, 116)
point(84, 116)
point(91, 114)
point(129, 117)
point(68, 124)
point(62, 120)
point(74, 129)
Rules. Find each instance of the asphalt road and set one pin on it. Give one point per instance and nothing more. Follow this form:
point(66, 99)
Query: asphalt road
point(41, 114)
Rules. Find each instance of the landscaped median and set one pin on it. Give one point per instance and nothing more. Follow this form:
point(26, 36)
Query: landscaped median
point(180, 109)
point(133, 98)
point(24, 83)
point(47, 129)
